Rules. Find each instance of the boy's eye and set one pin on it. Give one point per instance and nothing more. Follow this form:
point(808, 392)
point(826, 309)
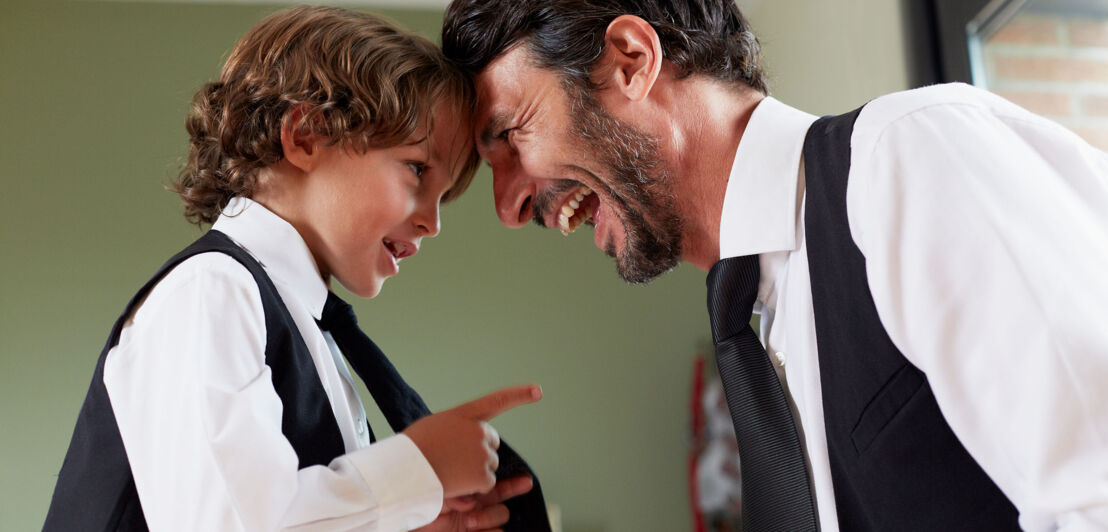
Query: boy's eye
point(417, 168)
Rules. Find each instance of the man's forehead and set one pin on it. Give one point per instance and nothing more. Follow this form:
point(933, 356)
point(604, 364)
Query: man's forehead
point(508, 81)
point(500, 90)
point(504, 73)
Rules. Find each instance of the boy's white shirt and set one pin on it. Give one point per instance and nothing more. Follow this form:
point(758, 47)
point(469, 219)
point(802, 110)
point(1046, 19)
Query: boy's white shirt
point(201, 421)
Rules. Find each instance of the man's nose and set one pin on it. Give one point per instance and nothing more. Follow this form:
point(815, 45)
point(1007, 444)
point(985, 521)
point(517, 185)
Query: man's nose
point(513, 192)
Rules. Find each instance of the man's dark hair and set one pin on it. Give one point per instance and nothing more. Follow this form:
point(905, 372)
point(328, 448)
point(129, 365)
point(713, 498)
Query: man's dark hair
point(708, 37)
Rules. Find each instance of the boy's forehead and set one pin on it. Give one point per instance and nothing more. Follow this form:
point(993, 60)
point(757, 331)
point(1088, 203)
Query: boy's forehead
point(451, 133)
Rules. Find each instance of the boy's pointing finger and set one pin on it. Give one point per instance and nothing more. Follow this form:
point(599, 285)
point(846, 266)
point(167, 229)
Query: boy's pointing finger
point(496, 403)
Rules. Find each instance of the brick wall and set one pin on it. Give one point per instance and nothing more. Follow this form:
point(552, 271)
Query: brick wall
point(1056, 66)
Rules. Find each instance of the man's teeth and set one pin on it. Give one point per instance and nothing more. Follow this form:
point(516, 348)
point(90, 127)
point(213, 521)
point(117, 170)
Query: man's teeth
point(569, 219)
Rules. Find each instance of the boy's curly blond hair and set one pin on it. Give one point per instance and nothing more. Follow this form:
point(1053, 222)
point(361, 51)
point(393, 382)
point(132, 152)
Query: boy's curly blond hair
point(366, 84)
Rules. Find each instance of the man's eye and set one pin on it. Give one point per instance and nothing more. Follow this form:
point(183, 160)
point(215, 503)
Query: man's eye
point(417, 168)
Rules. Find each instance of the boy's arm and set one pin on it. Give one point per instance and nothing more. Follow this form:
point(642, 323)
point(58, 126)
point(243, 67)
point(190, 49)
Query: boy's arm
point(201, 422)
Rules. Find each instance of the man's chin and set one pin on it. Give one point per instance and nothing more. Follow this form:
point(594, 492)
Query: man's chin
point(640, 269)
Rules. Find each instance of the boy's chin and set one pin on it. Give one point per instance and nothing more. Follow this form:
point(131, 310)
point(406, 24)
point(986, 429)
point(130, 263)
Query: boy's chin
point(366, 290)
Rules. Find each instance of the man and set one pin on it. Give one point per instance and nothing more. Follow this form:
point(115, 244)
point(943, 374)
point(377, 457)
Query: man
point(930, 270)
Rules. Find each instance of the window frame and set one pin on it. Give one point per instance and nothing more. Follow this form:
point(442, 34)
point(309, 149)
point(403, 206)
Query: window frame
point(947, 34)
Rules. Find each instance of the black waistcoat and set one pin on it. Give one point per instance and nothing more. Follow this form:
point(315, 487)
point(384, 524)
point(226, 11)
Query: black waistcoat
point(95, 489)
point(895, 463)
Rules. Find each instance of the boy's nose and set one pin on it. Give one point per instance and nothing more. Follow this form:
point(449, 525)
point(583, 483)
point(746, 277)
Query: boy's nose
point(513, 193)
point(427, 221)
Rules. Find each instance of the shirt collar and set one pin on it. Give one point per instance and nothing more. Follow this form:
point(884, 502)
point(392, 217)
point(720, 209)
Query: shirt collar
point(280, 249)
point(760, 205)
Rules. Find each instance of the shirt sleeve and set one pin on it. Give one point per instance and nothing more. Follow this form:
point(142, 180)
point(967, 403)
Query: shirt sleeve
point(201, 422)
point(985, 233)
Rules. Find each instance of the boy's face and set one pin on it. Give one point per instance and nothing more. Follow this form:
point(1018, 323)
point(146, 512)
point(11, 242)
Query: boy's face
point(372, 209)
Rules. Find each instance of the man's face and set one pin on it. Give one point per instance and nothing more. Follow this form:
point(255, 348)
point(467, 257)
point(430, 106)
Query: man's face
point(560, 159)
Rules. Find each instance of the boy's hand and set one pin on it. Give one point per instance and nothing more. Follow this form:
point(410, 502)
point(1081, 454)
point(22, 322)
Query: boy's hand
point(461, 446)
point(483, 512)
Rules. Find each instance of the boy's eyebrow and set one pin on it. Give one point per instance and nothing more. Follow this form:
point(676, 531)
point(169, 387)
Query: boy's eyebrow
point(435, 153)
point(497, 122)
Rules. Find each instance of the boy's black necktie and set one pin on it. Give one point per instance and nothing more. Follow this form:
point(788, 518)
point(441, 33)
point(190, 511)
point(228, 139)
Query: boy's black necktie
point(776, 493)
point(402, 406)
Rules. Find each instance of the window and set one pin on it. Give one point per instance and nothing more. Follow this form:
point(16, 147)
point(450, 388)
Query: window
point(1049, 56)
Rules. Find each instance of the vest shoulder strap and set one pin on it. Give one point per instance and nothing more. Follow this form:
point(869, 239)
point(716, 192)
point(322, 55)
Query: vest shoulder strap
point(95, 488)
point(895, 462)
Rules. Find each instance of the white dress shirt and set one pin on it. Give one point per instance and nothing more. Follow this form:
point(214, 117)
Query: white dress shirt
point(985, 233)
point(201, 421)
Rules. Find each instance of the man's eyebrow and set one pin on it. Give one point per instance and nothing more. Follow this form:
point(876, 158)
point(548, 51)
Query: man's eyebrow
point(497, 122)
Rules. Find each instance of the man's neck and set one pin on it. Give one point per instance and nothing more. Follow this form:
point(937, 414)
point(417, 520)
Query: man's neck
point(707, 126)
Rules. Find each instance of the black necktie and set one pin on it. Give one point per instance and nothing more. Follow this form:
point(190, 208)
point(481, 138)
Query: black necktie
point(402, 406)
point(775, 489)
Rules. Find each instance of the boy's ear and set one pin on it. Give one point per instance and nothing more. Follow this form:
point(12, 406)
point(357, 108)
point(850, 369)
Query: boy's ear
point(634, 56)
point(300, 146)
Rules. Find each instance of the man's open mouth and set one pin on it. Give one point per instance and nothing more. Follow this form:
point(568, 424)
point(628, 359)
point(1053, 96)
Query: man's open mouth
point(577, 208)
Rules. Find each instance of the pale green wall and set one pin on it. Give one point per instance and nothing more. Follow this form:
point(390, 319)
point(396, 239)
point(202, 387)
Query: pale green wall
point(830, 56)
point(93, 99)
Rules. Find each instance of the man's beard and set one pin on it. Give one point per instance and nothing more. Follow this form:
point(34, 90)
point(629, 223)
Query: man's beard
point(639, 183)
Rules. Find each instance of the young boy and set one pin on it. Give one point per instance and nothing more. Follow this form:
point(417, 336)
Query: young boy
point(221, 401)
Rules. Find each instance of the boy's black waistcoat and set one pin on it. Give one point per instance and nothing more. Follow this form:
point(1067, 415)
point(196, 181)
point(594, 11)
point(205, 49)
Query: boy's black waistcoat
point(95, 489)
point(895, 463)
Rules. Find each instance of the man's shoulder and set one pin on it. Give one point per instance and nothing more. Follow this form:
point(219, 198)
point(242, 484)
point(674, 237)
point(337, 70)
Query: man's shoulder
point(907, 101)
point(934, 102)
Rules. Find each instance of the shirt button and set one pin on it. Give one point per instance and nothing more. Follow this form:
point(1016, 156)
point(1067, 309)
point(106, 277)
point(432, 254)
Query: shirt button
point(361, 428)
point(780, 358)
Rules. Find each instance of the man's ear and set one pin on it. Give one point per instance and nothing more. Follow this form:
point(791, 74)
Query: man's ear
point(633, 55)
point(299, 145)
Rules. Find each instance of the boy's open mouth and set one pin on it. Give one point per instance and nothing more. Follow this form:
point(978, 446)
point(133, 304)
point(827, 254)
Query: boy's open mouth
point(400, 249)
